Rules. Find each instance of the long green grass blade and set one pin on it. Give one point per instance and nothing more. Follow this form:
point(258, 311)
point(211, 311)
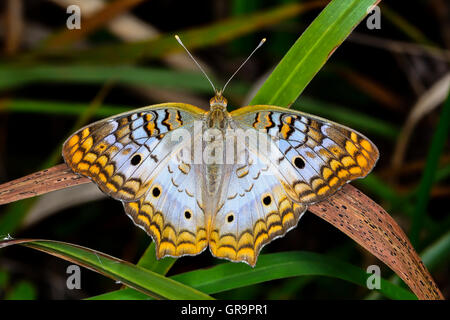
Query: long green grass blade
point(310, 52)
point(143, 280)
point(228, 276)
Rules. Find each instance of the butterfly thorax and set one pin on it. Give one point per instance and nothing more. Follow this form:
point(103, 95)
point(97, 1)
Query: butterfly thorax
point(217, 117)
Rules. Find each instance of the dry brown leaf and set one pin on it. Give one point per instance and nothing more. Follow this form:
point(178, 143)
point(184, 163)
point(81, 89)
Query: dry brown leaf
point(367, 223)
point(55, 178)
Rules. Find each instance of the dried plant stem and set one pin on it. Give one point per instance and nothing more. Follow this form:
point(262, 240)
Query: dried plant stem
point(349, 210)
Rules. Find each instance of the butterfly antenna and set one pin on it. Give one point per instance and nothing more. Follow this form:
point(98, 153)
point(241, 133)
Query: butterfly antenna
point(198, 65)
point(259, 45)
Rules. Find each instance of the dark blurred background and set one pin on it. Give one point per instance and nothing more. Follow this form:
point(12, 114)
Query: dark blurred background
point(389, 83)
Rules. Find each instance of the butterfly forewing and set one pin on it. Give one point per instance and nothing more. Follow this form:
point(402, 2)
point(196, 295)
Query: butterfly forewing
point(120, 153)
point(315, 156)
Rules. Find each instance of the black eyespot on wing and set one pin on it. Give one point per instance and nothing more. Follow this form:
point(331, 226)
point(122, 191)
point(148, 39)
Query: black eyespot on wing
point(156, 192)
point(299, 162)
point(267, 200)
point(136, 159)
point(187, 214)
point(230, 218)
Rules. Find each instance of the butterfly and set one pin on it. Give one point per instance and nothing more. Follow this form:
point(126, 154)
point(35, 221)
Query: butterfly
point(168, 165)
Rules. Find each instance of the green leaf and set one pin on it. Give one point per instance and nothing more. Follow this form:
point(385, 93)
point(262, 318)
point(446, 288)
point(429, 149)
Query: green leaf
point(143, 280)
point(228, 276)
point(310, 52)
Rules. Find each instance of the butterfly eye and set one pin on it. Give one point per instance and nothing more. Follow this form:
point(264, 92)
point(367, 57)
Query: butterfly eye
point(299, 162)
point(156, 192)
point(187, 214)
point(230, 217)
point(136, 159)
point(267, 200)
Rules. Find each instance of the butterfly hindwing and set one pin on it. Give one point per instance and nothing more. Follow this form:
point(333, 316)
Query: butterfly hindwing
point(170, 211)
point(254, 210)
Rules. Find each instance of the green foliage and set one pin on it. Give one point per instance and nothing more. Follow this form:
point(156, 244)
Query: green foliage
point(148, 282)
point(223, 277)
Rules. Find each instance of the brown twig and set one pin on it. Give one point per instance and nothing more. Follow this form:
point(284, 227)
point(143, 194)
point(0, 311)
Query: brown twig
point(349, 210)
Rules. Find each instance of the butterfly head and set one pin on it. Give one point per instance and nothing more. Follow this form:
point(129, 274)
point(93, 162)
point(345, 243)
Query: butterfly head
point(218, 101)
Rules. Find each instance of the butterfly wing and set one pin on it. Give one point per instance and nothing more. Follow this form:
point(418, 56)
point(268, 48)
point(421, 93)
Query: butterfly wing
point(121, 154)
point(314, 156)
point(254, 210)
point(171, 211)
point(134, 157)
point(308, 158)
